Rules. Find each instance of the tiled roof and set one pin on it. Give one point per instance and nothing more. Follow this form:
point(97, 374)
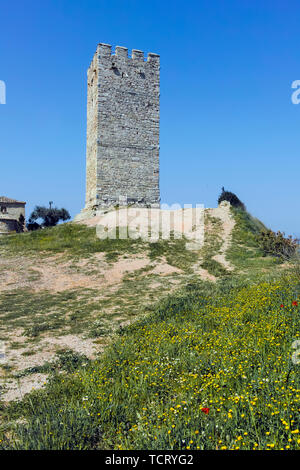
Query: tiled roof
point(7, 199)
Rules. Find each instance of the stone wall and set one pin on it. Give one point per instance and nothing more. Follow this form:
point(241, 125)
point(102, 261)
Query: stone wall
point(7, 226)
point(92, 133)
point(123, 128)
point(10, 217)
point(13, 210)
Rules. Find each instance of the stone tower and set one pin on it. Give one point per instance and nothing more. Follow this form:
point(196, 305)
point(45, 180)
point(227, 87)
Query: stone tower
point(122, 155)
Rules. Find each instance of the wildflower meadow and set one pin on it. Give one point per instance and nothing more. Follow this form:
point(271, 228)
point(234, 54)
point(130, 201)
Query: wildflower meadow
point(211, 368)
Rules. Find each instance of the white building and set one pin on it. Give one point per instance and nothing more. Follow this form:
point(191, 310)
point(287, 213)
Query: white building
point(12, 215)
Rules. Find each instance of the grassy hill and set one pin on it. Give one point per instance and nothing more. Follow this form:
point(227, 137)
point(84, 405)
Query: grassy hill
point(207, 363)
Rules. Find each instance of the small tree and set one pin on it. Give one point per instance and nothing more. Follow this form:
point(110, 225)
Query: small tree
point(49, 215)
point(232, 198)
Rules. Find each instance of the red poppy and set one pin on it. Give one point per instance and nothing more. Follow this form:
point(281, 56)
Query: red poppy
point(295, 303)
point(281, 306)
point(205, 410)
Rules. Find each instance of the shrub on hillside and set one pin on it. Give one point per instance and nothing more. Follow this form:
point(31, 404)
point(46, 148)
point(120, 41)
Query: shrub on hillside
point(276, 244)
point(232, 198)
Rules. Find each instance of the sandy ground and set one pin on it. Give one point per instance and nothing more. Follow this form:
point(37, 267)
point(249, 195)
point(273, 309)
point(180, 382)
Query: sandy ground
point(188, 222)
point(48, 274)
point(53, 276)
point(56, 275)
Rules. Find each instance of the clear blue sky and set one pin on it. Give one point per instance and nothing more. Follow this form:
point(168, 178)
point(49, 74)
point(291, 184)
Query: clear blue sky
point(226, 111)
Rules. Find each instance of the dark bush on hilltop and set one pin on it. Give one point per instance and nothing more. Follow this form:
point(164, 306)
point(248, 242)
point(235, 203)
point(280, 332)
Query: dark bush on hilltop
point(232, 198)
point(276, 244)
point(31, 226)
point(49, 216)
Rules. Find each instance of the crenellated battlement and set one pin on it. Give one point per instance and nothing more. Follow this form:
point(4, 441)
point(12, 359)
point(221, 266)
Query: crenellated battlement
point(121, 52)
point(104, 51)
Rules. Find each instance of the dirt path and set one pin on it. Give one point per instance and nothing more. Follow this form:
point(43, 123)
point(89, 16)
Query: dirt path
point(223, 213)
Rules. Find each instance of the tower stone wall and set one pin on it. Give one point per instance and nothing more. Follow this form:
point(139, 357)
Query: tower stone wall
point(122, 159)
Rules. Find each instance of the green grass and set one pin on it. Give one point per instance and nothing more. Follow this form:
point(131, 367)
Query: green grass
point(244, 252)
point(225, 347)
point(175, 252)
point(78, 241)
point(44, 311)
point(74, 240)
point(65, 360)
point(78, 311)
point(214, 267)
point(212, 244)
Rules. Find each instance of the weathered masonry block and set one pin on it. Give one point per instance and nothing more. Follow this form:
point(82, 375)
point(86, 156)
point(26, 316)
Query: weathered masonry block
point(122, 157)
